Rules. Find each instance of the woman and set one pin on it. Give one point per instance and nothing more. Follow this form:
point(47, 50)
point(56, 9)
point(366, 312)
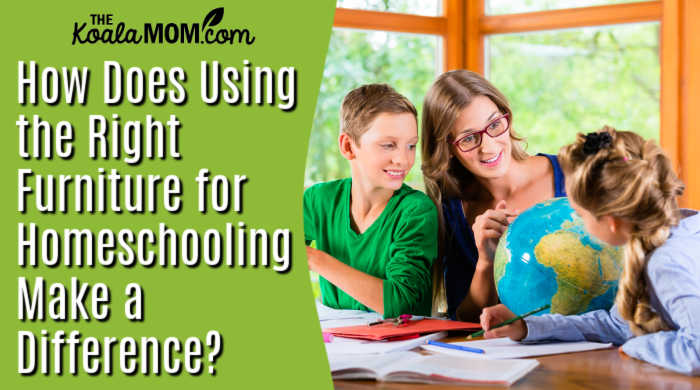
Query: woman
point(477, 172)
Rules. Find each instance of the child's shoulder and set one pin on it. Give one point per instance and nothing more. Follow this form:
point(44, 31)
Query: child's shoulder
point(414, 200)
point(327, 187)
point(328, 192)
point(682, 246)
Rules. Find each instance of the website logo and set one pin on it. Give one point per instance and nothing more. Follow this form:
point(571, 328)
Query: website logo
point(101, 30)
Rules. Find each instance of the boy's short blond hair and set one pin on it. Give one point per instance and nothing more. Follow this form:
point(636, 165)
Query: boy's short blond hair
point(363, 104)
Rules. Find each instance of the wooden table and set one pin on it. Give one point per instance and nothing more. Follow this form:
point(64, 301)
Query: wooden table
point(601, 369)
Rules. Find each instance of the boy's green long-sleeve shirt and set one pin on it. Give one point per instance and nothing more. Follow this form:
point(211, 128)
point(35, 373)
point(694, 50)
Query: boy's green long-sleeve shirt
point(399, 247)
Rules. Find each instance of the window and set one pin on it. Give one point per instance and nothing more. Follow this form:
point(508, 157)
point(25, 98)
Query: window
point(499, 7)
point(416, 7)
point(563, 82)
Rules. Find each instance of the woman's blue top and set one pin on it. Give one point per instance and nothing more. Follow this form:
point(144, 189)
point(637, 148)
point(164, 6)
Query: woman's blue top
point(460, 254)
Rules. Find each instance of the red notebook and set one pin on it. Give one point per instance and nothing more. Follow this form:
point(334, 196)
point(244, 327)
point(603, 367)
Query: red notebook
point(388, 330)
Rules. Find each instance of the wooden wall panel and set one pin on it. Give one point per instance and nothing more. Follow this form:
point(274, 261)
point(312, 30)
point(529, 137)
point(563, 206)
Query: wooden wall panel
point(689, 138)
point(670, 81)
point(453, 41)
point(573, 17)
point(474, 37)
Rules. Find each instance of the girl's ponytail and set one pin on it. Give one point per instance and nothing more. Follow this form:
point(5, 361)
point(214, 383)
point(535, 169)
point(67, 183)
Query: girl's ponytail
point(632, 298)
point(618, 173)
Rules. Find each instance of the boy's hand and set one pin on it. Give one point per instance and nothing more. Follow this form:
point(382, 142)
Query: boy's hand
point(311, 257)
point(494, 315)
point(489, 227)
point(314, 257)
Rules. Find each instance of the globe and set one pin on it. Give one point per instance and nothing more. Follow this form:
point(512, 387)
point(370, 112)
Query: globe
point(547, 257)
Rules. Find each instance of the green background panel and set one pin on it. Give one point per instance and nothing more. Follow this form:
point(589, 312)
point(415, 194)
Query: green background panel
point(267, 320)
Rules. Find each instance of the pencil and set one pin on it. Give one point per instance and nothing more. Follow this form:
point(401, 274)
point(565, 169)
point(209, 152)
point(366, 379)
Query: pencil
point(510, 321)
point(454, 346)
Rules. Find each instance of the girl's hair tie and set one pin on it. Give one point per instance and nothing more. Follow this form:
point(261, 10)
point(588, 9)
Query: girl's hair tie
point(596, 141)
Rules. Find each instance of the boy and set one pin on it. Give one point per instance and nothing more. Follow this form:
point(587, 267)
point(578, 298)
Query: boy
point(376, 238)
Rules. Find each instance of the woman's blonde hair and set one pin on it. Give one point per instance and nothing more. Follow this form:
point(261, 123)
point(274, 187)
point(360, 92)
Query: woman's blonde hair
point(444, 176)
point(624, 176)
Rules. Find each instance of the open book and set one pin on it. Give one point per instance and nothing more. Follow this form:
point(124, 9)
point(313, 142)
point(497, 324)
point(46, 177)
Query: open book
point(436, 369)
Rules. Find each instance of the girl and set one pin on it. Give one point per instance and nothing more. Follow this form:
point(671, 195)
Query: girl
point(625, 190)
point(478, 175)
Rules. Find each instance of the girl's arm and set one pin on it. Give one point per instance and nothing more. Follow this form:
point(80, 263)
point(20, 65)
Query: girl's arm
point(600, 325)
point(677, 350)
point(675, 281)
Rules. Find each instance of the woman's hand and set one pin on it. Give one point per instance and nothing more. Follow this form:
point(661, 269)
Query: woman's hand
point(494, 315)
point(488, 229)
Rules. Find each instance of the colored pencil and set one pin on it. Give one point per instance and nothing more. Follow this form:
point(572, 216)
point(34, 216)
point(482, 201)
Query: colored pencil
point(457, 347)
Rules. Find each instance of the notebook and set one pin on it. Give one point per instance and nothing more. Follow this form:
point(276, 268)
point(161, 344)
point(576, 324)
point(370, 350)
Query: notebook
point(389, 331)
point(326, 313)
point(435, 369)
point(345, 346)
point(334, 318)
point(505, 348)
